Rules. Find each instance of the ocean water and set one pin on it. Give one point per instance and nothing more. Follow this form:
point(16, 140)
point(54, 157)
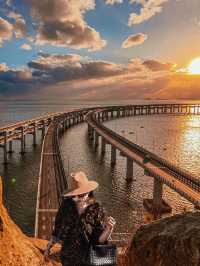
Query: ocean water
point(175, 138)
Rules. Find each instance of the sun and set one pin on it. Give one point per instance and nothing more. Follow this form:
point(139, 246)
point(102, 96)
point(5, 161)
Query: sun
point(194, 67)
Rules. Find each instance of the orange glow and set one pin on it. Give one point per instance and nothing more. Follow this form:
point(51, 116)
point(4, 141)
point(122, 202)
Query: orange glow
point(194, 67)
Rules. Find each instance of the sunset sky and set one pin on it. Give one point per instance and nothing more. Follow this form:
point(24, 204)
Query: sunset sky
point(100, 50)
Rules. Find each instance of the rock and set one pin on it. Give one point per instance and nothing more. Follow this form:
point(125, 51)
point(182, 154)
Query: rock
point(173, 241)
point(16, 249)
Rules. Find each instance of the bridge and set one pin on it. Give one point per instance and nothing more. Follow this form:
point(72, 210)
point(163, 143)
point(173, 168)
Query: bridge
point(53, 179)
point(18, 132)
point(163, 172)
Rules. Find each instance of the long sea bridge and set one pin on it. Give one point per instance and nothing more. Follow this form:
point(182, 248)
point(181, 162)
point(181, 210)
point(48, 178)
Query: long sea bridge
point(53, 179)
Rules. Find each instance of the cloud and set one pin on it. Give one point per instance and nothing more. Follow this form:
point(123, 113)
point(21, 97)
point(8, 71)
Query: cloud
point(26, 46)
point(155, 65)
point(6, 31)
point(19, 27)
point(3, 67)
point(56, 68)
point(73, 76)
point(8, 3)
point(134, 40)
point(61, 23)
point(148, 9)
point(112, 2)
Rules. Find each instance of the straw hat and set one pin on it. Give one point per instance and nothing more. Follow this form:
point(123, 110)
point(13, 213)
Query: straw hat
point(80, 184)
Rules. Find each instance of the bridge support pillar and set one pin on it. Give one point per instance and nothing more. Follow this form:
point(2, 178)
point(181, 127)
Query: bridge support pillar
point(157, 206)
point(22, 141)
point(34, 135)
point(10, 149)
point(113, 155)
point(157, 193)
point(129, 169)
point(5, 148)
point(43, 129)
point(90, 132)
point(96, 140)
point(103, 146)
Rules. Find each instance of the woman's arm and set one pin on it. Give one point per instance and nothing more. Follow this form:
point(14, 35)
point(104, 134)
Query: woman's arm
point(102, 225)
point(50, 244)
point(110, 223)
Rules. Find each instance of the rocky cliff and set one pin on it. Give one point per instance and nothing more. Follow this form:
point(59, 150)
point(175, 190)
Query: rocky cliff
point(173, 241)
point(16, 249)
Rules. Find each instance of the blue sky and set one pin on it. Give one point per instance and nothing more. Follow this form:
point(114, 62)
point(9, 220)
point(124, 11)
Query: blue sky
point(163, 32)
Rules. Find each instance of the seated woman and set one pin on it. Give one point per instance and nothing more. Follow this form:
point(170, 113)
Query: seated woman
point(80, 221)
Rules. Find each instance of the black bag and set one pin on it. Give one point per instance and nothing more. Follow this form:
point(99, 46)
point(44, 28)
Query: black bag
point(102, 255)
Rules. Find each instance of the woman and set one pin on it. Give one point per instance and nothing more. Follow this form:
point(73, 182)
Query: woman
point(80, 221)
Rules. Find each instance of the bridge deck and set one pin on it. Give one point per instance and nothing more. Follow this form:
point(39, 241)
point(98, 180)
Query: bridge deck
point(47, 202)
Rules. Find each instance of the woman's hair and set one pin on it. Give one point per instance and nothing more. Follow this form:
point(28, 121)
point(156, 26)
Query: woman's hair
point(91, 194)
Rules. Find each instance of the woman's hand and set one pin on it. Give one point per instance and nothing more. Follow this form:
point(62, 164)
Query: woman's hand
point(46, 254)
point(110, 223)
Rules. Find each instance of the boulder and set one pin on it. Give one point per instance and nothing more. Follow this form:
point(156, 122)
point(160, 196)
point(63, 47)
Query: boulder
point(172, 241)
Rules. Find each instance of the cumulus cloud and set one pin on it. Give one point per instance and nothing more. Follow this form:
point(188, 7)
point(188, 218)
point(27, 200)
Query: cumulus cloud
point(6, 31)
point(155, 65)
point(26, 46)
point(148, 9)
point(56, 68)
point(112, 2)
point(134, 40)
point(61, 23)
point(19, 27)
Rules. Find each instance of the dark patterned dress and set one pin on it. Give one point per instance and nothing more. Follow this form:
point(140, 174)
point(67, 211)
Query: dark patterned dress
point(75, 230)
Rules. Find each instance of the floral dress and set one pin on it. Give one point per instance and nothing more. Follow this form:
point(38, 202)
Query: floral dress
point(75, 230)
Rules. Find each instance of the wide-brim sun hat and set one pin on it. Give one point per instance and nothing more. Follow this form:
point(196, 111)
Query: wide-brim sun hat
point(80, 185)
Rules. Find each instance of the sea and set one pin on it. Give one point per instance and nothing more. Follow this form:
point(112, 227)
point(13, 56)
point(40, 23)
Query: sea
point(173, 137)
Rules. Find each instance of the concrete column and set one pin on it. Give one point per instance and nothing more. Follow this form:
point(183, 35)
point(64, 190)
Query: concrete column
point(22, 141)
point(10, 149)
point(5, 148)
point(96, 140)
point(103, 145)
point(92, 133)
point(34, 135)
point(65, 123)
point(157, 193)
point(69, 122)
point(89, 130)
point(129, 168)
point(113, 155)
point(43, 129)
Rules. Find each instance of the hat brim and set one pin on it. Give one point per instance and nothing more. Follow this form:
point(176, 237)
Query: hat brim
point(91, 185)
